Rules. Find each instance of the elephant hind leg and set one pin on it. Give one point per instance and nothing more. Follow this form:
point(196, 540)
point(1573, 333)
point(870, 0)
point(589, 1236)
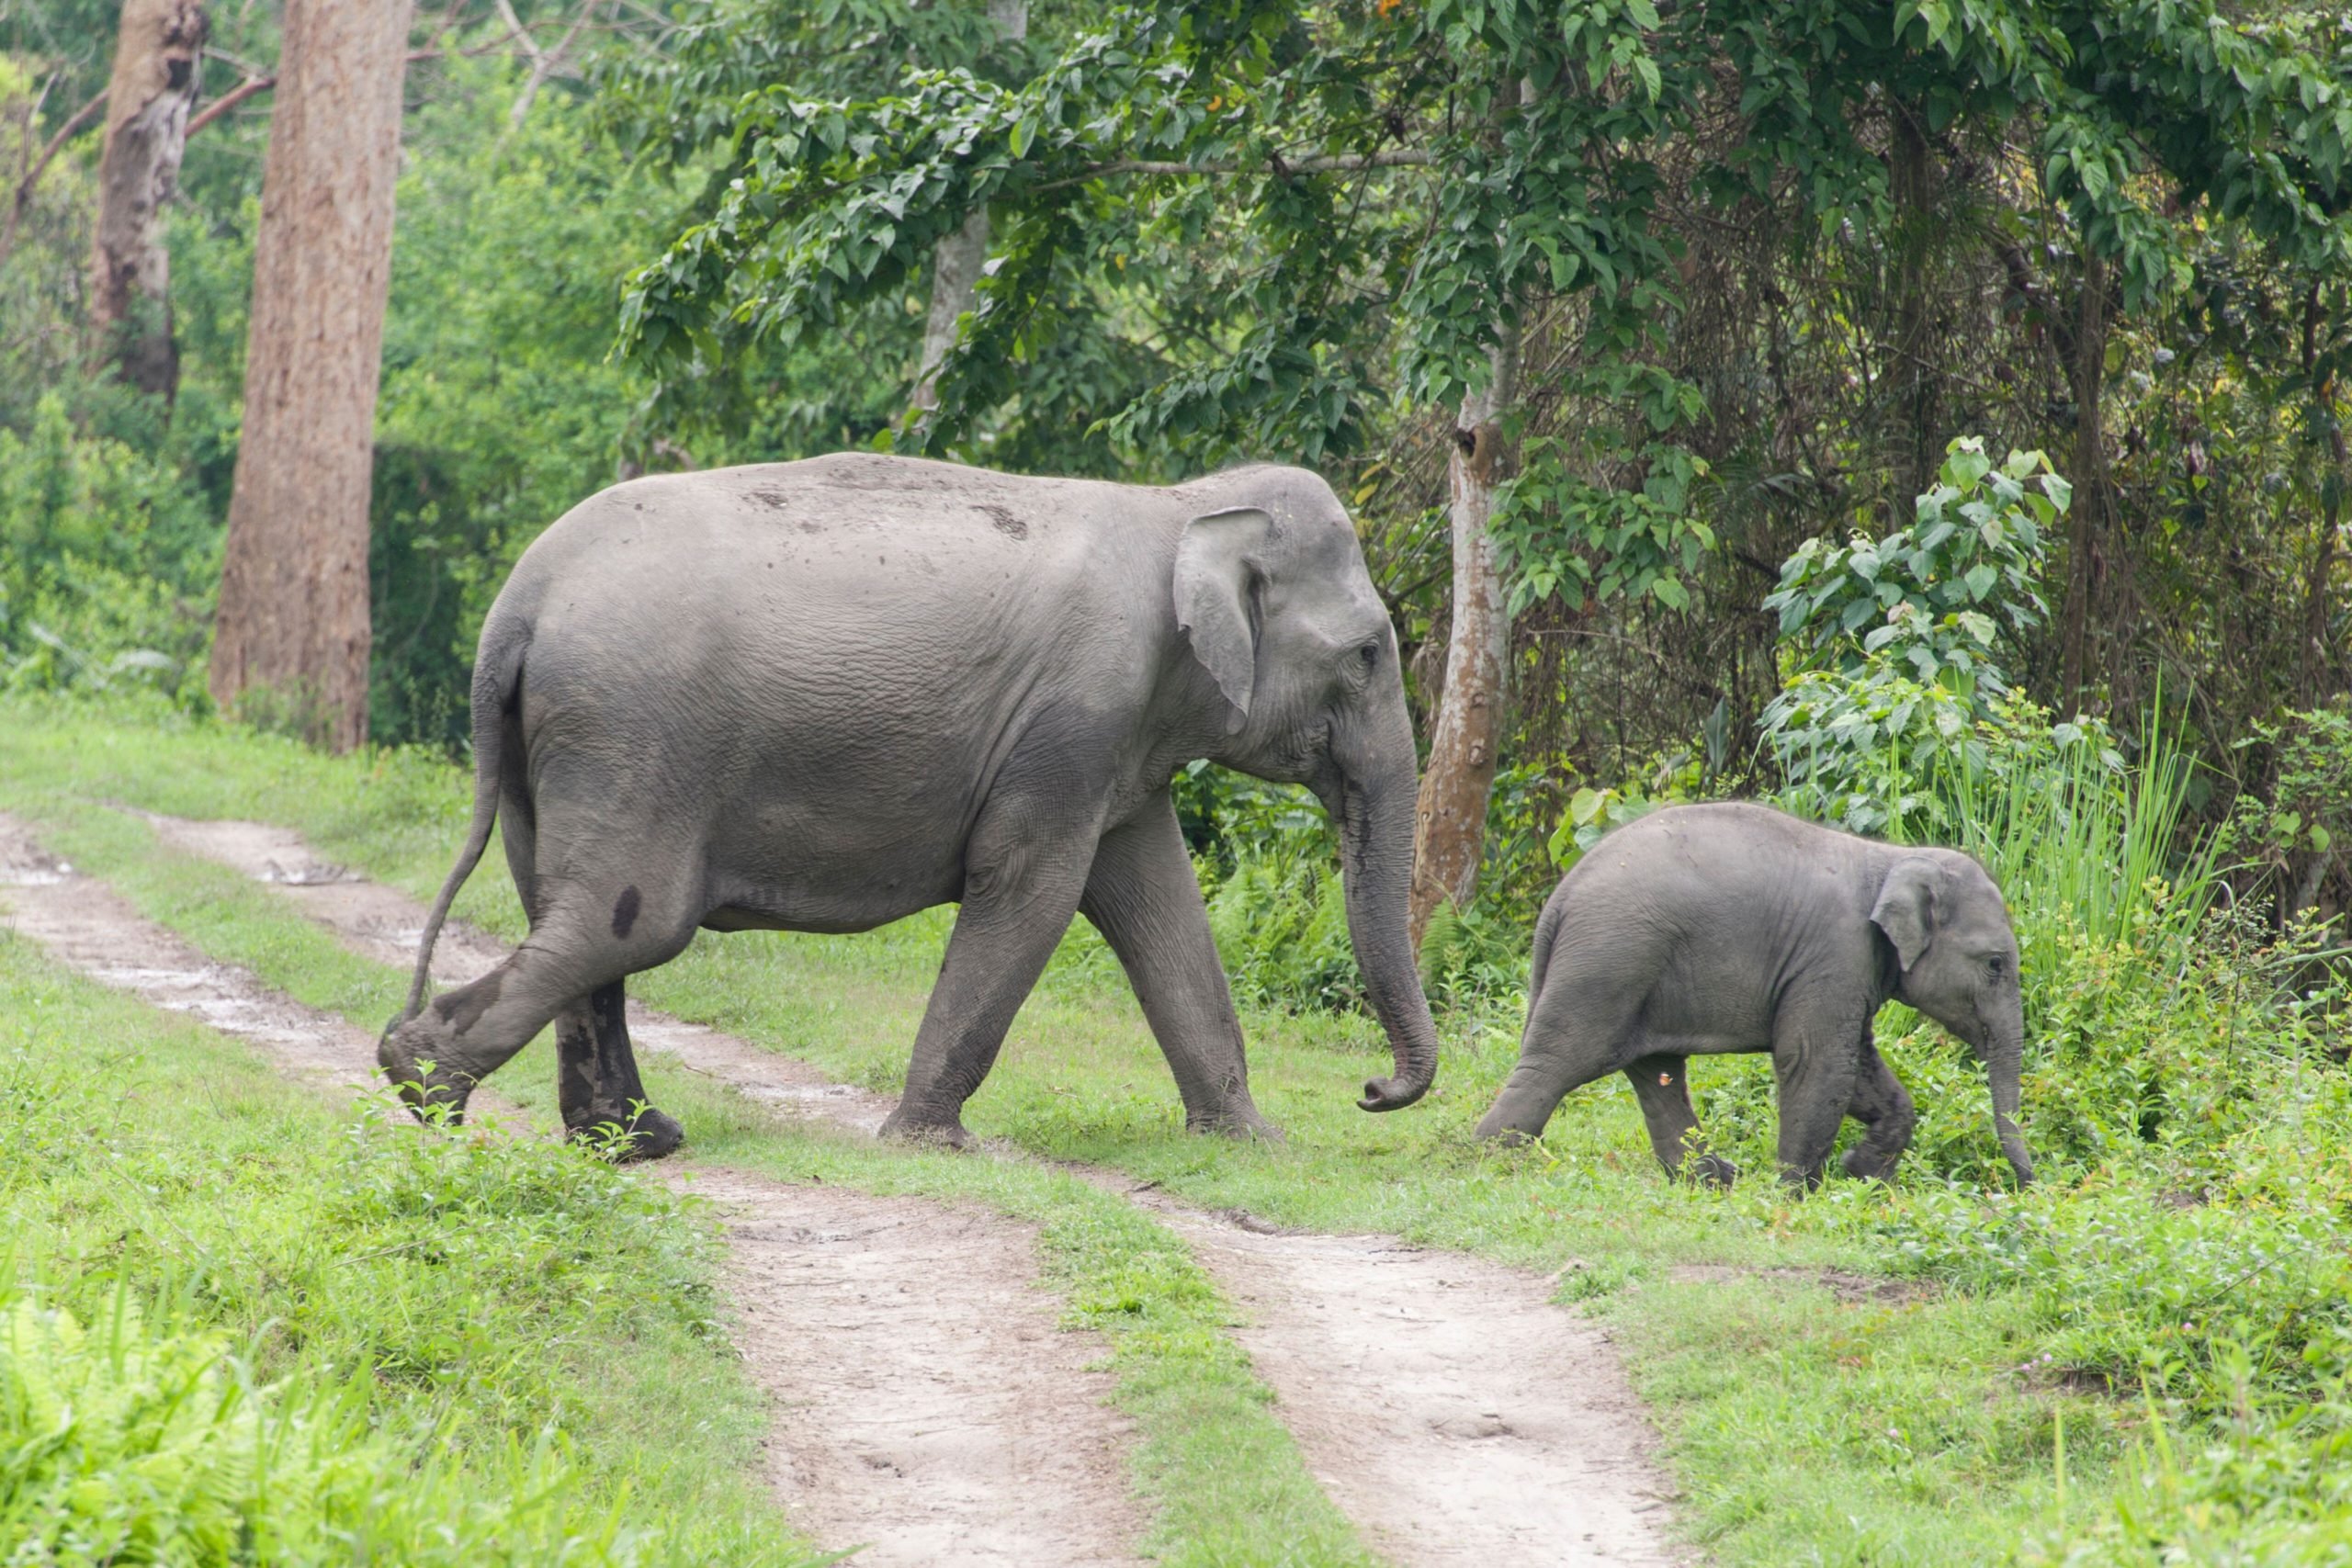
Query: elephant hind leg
point(1662, 1084)
point(1583, 1026)
point(601, 1096)
point(1882, 1105)
point(582, 941)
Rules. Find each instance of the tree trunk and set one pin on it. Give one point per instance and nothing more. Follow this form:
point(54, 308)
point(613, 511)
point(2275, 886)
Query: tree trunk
point(956, 261)
point(1911, 180)
point(954, 278)
point(291, 643)
point(157, 56)
point(1449, 827)
point(2089, 373)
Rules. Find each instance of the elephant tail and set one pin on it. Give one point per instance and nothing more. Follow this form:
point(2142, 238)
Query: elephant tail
point(498, 676)
point(1547, 930)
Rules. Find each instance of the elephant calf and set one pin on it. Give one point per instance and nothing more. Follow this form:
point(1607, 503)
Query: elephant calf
point(1706, 928)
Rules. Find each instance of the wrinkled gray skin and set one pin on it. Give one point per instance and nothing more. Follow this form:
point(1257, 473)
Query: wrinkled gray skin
point(1699, 930)
point(822, 696)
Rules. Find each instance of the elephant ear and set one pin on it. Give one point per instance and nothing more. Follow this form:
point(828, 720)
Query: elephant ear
point(1905, 909)
point(1216, 566)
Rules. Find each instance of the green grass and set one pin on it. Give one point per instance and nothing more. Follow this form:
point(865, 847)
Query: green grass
point(1805, 1425)
point(244, 1325)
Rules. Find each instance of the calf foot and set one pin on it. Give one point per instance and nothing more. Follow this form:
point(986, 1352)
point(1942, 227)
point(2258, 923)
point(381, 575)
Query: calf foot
point(1871, 1164)
point(1710, 1170)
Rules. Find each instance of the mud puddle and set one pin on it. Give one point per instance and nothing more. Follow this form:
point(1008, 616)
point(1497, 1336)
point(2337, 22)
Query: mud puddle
point(923, 1403)
point(1446, 1406)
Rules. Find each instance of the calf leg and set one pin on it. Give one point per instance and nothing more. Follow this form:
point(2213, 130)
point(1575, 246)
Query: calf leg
point(1580, 1027)
point(1662, 1084)
point(1884, 1106)
point(1815, 1056)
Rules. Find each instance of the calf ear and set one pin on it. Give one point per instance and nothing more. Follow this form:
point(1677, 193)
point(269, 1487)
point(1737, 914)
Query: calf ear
point(1905, 909)
point(1216, 565)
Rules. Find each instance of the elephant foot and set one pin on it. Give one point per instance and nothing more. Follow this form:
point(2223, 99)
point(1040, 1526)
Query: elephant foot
point(646, 1135)
point(432, 1091)
point(1243, 1125)
point(944, 1131)
point(1710, 1170)
point(1867, 1164)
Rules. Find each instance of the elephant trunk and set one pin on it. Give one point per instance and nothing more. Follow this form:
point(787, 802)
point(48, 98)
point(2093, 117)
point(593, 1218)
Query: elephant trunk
point(1374, 812)
point(2004, 1063)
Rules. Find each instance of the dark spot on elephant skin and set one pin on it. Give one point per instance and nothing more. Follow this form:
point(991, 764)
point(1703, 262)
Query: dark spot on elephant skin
point(774, 499)
point(463, 1007)
point(624, 910)
point(1004, 521)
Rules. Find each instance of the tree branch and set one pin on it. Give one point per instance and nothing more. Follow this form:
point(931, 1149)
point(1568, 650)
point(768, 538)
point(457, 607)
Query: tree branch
point(229, 100)
point(23, 192)
point(1342, 162)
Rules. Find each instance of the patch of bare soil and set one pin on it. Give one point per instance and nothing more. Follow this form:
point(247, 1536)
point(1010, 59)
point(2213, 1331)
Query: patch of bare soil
point(87, 926)
point(929, 1406)
point(1450, 1410)
point(1446, 1405)
point(924, 1401)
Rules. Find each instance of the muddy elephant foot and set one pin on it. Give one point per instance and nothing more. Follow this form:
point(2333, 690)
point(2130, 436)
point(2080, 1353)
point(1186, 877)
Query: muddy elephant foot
point(946, 1132)
point(433, 1091)
point(644, 1135)
point(1709, 1171)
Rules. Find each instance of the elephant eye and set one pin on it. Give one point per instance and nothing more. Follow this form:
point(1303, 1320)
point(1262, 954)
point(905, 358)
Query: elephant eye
point(1369, 653)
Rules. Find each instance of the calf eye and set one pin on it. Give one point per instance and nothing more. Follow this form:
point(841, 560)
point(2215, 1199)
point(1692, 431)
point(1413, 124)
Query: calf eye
point(1369, 653)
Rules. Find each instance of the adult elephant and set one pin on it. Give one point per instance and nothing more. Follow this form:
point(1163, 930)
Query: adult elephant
point(823, 696)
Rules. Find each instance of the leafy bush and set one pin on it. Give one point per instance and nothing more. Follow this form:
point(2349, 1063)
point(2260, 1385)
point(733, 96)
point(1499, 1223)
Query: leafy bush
point(1937, 589)
point(104, 563)
point(313, 1340)
point(126, 1441)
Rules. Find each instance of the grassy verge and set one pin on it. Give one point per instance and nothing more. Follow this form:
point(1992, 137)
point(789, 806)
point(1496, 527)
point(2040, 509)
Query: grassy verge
point(1915, 1414)
point(1226, 1483)
point(241, 1327)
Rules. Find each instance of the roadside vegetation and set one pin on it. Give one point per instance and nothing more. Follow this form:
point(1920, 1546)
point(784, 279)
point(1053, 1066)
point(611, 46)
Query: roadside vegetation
point(241, 1325)
point(2146, 1352)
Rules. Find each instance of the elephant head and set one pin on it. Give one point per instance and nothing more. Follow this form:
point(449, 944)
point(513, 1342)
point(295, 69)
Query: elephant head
point(1959, 965)
point(1277, 607)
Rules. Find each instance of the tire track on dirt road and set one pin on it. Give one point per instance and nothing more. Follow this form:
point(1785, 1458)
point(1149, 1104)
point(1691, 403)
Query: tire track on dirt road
point(1447, 1407)
point(922, 1398)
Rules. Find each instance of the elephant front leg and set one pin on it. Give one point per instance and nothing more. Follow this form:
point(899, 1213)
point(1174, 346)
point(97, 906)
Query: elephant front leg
point(1144, 897)
point(1662, 1083)
point(597, 1082)
point(1023, 873)
point(1816, 1059)
point(1884, 1106)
